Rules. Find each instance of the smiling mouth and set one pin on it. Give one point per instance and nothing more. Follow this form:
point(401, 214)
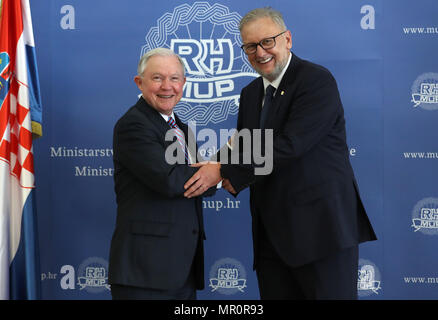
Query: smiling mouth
point(165, 96)
point(266, 60)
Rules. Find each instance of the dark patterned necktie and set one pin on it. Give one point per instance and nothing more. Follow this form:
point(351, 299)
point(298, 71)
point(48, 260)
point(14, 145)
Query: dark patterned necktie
point(269, 96)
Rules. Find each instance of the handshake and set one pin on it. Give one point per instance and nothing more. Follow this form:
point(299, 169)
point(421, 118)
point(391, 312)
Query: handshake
point(207, 176)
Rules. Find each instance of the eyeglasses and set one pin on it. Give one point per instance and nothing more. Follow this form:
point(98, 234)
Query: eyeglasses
point(267, 43)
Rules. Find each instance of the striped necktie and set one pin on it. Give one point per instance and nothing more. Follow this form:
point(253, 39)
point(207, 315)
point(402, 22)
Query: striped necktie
point(179, 136)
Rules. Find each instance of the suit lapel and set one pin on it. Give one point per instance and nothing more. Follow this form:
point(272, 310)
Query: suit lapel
point(162, 126)
point(155, 118)
point(153, 115)
point(284, 92)
point(254, 103)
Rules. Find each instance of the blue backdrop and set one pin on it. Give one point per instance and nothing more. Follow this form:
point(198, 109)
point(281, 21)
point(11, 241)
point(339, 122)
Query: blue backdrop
point(383, 55)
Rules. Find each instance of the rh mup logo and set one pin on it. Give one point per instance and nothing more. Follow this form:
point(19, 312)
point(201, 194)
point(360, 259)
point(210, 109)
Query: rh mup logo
point(207, 38)
point(424, 91)
point(425, 216)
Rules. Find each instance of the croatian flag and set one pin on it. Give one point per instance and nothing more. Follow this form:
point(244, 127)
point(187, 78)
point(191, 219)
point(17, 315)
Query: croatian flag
point(20, 120)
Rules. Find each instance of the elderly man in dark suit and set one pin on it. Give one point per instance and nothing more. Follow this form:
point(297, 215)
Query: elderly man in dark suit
point(308, 217)
point(157, 246)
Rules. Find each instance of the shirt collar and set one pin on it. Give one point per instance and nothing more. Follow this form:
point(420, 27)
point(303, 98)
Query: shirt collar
point(276, 82)
point(166, 117)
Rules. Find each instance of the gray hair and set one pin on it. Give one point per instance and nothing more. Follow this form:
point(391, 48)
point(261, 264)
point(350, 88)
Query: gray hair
point(266, 12)
point(162, 52)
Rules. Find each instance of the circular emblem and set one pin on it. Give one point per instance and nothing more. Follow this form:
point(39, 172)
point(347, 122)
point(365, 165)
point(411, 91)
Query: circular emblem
point(425, 216)
point(425, 91)
point(93, 275)
point(227, 276)
point(369, 279)
point(206, 36)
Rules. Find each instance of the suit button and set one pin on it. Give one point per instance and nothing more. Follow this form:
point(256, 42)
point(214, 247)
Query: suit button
point(195, 231)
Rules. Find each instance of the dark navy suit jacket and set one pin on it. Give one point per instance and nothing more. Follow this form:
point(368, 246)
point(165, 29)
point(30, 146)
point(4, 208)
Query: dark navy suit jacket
point(310, 204)
point(159, 232)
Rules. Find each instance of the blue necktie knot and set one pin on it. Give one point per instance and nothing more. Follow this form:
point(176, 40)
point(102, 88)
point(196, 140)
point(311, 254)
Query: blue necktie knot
point(270, 91)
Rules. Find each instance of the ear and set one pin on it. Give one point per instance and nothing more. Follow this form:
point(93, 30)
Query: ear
point(138, 80)
point(288, 36)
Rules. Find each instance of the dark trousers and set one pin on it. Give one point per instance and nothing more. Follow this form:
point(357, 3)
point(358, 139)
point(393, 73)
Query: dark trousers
point(333, 277)
point(187, 292)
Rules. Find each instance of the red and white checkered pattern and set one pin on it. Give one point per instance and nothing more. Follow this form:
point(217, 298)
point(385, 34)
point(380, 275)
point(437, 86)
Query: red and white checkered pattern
point(16, 133)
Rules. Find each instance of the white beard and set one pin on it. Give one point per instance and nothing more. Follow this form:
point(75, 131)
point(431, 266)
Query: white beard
point(275, 73)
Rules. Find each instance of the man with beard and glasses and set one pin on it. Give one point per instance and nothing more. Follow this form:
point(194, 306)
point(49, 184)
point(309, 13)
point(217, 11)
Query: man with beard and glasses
point(307, 215)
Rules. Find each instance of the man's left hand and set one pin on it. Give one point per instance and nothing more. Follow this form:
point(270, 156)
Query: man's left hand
point(207, 176)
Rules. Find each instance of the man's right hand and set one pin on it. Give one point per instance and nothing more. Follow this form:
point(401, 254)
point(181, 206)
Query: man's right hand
point(226, 184)
point(207, 176)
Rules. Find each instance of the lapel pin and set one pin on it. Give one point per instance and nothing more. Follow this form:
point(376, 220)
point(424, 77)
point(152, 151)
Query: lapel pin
point(282, 92)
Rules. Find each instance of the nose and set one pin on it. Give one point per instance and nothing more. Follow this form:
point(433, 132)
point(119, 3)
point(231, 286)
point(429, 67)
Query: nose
point(259, 50)
point(166, 84)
